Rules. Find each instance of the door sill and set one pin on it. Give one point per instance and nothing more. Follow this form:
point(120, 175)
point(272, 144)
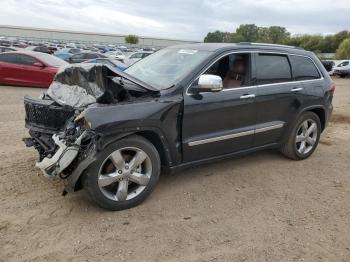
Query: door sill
point(174, 169)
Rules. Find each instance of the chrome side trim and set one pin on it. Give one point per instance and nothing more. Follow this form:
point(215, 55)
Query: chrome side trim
point(268, 128)
point(235, 135)
point(220, 138)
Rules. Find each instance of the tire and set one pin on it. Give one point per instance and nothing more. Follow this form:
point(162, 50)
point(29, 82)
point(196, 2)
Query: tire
point(109, 167)
point(293, 148)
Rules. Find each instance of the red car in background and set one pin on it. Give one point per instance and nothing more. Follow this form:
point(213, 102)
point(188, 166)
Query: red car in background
point(28, 68)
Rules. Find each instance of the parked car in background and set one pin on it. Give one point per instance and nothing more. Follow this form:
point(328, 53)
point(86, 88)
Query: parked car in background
point(181, 106)
point(84, 56)
point(28, 68)
point(7, 49)
point(345, 64)
point(133, 58)
point(115, 54)
point(4, 42)
point(71, 45)
point(342, 72)
point(20, 44)
point(328, 65)
point(42, 49)
point(66, 53)
point(114, 63)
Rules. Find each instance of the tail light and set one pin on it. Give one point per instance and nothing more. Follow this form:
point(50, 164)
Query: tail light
point(332, 88)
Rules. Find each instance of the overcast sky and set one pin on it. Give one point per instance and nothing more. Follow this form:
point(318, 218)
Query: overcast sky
point(180, 19)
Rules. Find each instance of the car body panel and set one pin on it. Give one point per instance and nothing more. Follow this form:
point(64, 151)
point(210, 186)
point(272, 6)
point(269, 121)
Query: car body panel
point(198, 127)
point(158, 115)
point(214, 115)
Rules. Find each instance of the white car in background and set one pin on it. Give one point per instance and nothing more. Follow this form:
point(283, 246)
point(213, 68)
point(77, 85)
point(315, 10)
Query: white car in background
point(116, 55)
point(134, 57)
point(343, 64)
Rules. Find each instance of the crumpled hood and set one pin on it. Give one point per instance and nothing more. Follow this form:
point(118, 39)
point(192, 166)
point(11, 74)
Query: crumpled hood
point(80, 85)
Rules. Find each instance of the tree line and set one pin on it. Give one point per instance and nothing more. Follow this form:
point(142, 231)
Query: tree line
point(338, 43)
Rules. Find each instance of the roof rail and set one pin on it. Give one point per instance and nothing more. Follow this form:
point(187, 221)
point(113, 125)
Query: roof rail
point(267, 44)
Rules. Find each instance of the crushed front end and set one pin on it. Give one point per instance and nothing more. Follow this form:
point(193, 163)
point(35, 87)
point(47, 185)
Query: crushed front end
point(60, 134)
point(57, 127)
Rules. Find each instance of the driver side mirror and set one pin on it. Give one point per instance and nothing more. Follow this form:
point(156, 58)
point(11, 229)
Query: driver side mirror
point(208, 83)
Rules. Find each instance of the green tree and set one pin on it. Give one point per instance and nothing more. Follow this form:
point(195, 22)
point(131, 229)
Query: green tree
point(131, 39)
point(217, 37)
point(343, 51)
point(277, 34)
point(248, 32)
point(280, 35)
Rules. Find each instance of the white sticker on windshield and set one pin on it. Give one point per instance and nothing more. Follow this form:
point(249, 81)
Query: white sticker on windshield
point(187, 51)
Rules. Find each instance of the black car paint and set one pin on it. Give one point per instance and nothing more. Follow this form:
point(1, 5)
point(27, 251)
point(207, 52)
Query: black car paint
point(208, 115)
point(178, 117)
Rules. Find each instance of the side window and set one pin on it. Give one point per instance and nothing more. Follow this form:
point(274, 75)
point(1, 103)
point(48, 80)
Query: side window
point(10, 58)
point(137, 55)
point(234, 70)
point(303, 68)
point(344, 64)
point(27, 60)
point(78, 56)
point(272, 68)
point(91, 56)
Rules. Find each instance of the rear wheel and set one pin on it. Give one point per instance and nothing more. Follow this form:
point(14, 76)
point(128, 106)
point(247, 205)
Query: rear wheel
point(124, 174)
point(304, 137)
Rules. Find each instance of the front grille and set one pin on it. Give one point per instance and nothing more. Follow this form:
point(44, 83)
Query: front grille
point(46, 114)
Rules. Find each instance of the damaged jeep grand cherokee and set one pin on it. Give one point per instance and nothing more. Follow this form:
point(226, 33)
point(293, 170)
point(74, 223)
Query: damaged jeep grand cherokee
point(111, 132)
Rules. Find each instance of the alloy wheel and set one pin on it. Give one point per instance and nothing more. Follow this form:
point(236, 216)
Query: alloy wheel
point(125, 173)
point(306, 136)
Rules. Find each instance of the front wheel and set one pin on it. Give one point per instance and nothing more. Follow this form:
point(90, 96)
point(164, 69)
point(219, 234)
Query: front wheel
point(304, 137)
point(124, 174)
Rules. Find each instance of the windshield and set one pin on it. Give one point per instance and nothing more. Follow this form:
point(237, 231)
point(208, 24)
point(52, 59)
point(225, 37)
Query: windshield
point(167, 66)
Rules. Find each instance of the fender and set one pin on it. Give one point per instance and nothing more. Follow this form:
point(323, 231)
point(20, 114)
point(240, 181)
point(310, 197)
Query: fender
point(297, 116)
point(170, 156)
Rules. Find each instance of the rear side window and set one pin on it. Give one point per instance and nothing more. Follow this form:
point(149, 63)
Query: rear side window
point(79, 56)
point(272, 69)
point(10, 58)
point(91, 56)
point(303, 68)
point(17, 59)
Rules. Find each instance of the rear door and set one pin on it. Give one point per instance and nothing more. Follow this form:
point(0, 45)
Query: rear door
point(10, 65)
point(278, 98)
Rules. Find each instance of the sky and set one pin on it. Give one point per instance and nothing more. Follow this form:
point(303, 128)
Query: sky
point(180, 19)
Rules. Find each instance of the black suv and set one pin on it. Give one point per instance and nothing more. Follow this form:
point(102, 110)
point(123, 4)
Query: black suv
point(111, 132)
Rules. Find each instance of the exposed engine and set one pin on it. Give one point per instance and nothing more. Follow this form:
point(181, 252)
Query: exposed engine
point(56, 123)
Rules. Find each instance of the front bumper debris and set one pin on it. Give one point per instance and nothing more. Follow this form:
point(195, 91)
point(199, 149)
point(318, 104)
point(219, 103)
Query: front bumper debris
point(63, 157)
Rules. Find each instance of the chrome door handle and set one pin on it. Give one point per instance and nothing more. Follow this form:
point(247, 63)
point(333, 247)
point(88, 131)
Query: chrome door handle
point(247, 96)
point(296, 89)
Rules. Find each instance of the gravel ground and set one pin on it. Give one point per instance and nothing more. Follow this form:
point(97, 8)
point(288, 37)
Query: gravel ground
point(262, 207)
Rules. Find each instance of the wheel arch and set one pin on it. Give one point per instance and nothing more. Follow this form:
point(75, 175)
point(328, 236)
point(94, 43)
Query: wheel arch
point(319, 110)
point(321, 113)
point(153, 135)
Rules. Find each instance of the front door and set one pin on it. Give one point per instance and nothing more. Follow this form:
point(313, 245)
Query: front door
point(221, 122)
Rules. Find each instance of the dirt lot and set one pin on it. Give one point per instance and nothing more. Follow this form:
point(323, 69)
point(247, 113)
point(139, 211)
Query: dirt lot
point(261, 207)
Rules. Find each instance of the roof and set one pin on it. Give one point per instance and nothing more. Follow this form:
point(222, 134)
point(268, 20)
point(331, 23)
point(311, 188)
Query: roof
point(213, 47)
